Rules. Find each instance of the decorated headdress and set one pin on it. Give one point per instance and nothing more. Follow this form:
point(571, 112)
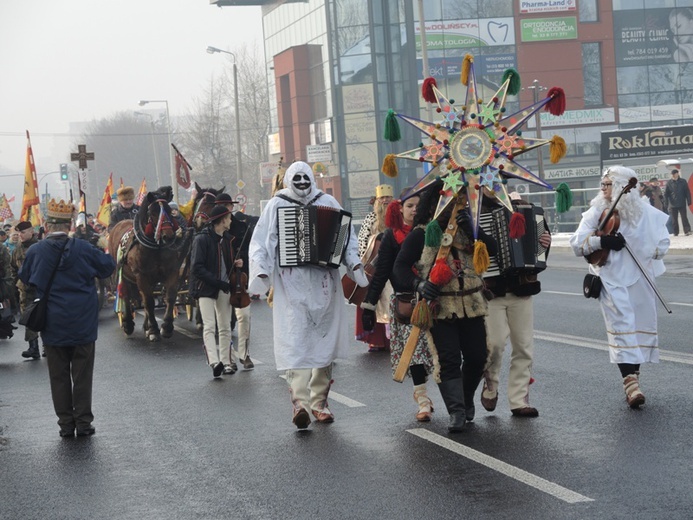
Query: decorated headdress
point(384, 190)
point(59, 212)
point(475, 145)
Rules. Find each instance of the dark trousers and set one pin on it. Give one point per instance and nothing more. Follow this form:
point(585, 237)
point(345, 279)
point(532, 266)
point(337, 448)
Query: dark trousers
point(675, 212)
point(71, 372)
point(460, 339)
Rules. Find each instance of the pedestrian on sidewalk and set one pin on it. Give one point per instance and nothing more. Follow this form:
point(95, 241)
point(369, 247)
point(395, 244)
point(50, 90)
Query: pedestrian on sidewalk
point(678, 197)
point(627, 300)
point(71, 330)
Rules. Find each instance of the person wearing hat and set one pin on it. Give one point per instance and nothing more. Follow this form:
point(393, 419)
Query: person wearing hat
point(27, 294)
point(126, 209)
point(69, 337)
point(677, 197)
point(628, 302)
point(175, 213)
point(240, 232)
point(211, 262)
point(372, 228)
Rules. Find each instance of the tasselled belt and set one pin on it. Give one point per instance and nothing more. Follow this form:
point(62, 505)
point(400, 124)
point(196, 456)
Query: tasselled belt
point(462, 293)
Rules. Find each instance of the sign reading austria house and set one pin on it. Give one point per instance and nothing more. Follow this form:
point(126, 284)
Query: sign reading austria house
point(647, 142)
point(546, 6)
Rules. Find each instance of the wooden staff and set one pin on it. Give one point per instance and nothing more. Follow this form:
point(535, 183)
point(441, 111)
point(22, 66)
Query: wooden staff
point(443, 251)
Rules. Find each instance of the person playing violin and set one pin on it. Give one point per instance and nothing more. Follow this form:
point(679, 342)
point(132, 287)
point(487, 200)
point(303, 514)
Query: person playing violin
point(627, 300)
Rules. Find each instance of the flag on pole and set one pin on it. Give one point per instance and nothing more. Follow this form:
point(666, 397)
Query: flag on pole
point(182, 169)
point(30, 198)
point(121, 183)
point(5, 210)
point(142, 193)
point(103, 217)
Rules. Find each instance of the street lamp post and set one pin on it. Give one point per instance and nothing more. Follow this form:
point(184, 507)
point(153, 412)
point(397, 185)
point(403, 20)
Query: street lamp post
point(239, 164)
point(156, 155)
point(174, 181)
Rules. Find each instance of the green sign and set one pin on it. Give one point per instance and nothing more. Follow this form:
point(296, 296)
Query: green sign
point(545, 29)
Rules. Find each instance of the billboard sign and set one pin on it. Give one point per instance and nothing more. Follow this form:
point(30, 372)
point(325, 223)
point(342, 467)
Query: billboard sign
point(461, 34)
point(646, 142)
point(452, 66)
point(548, 29)
point(546, 6)
point(644, 37)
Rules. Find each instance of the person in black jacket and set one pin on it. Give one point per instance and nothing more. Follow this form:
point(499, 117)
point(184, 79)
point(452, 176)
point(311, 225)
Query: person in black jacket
point(240, 233)
point(211, 261)
point(458, 329)
point(399, 220)
point(677, 197)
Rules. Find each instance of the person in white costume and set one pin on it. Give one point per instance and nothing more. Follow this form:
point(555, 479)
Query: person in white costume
point(311, 327)
point(628, 302)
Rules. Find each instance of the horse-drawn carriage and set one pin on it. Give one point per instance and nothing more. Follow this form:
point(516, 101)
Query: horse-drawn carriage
point(152, 254)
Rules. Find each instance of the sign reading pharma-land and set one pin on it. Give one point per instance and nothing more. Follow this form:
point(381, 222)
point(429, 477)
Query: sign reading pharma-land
point(546, 6)
point(546, 29)
point(647, 142)
point(460, 34)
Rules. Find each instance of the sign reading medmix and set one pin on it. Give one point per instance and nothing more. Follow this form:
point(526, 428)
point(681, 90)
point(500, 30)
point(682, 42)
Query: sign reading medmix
point(546, 6)
point(647, 142)
point(545, 29)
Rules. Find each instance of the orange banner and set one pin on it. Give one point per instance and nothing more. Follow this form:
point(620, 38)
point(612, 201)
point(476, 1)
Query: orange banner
point(30, 197)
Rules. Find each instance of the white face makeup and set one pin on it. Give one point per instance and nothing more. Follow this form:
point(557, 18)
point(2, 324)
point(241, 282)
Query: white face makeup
point(301, 184)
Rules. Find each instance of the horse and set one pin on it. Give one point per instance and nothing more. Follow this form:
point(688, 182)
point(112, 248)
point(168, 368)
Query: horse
point(149, 250)
point(203, 205)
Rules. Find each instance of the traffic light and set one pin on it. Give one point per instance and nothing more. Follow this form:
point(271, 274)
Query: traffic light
point(63, 172)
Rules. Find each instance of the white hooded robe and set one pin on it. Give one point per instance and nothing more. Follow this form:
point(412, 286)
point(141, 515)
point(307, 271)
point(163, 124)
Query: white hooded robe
point(311, 328)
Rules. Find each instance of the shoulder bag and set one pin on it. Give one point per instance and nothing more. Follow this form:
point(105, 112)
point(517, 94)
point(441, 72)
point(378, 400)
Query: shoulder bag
point(34, 316)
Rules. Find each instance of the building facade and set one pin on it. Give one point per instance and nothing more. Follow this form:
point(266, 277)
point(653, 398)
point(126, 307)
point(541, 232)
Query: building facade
point(335, 67)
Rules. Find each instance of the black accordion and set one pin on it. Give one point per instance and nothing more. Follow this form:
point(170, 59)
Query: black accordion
point(312, 235)
point(524, 255)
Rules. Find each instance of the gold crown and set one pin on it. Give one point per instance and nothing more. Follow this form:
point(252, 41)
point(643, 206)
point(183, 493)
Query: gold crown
point(59, 211)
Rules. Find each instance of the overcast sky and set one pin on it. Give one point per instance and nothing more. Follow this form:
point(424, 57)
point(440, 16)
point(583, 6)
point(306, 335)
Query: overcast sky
point(79, 60)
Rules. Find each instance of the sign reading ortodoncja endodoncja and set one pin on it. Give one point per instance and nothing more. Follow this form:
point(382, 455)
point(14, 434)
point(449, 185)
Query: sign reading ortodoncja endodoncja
point(475, 145)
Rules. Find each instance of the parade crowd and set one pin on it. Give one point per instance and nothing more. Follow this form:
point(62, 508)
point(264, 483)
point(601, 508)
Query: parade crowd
point(406, 253)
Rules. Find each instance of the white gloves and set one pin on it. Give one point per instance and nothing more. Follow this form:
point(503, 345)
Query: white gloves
point(359, 276)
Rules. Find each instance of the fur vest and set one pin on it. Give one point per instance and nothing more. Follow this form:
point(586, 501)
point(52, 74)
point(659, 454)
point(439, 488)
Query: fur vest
point(463, 296)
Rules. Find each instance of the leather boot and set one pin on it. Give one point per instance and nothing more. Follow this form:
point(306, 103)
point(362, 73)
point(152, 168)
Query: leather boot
point(33, 350)
point(424, 402)
point(298, 380)
point(452, 392)
point(634, 396)
point(320, 384)
point(470, 385)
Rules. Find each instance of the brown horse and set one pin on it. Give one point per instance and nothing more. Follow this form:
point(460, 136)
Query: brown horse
point(149, 251)
point(204, 203)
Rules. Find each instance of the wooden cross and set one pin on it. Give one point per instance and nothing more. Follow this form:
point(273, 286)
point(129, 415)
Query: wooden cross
point(82, 156)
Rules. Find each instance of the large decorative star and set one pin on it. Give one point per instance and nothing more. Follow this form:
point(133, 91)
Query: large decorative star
point(477, 146)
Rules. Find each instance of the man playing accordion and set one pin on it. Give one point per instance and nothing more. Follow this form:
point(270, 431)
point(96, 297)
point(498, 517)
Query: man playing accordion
point(310, 320)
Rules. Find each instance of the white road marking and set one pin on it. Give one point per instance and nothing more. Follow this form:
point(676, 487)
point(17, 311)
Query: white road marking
point(580, 294)
point(345, 400)
point(576, 341)
point(502, 467)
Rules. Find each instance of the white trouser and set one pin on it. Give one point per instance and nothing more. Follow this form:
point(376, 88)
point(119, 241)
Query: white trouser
point(511, 317)
point(309, 387)
point(216, 314)
point(243, 324)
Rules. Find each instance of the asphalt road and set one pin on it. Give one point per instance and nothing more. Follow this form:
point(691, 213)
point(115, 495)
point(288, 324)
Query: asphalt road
point(172, 442)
